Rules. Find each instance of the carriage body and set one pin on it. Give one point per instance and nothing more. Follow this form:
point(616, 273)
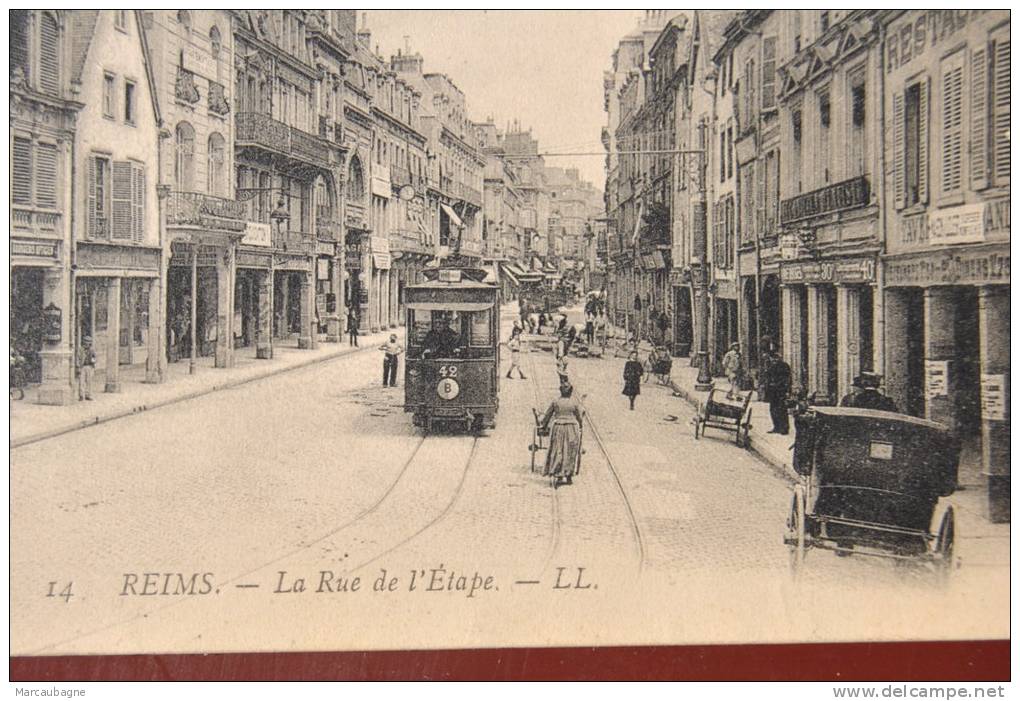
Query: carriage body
point(457, 384)
point(870, 484)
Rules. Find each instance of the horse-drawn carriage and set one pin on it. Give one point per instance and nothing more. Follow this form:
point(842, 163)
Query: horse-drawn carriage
point(870, 485)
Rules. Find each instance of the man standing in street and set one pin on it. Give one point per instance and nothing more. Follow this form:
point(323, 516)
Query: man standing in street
point(352, 327)
point(86, 368)
point(391, 360)
point(776, 390)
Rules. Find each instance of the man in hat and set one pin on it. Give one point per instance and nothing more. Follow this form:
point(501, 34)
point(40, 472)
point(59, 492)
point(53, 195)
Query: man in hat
point(775, 390)
point(733, 366)
point(86, 368)
point(866, 394)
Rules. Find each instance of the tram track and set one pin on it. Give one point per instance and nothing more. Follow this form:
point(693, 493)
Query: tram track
point(637, 538)
point(554, 546)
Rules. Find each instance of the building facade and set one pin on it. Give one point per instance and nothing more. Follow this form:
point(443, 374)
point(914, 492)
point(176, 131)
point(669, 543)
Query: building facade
point(945, 268)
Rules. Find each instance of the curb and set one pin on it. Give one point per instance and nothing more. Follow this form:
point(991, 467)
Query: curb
point(131, 411)
point(760, 448)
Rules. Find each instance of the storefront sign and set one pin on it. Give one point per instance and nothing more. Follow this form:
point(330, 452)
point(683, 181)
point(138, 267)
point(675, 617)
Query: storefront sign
point(352, 256)
point(849, 193)
point(34, 249)
point(247, 259)
point(380, 244)
point(936, 378)
point(852, 270)
point(257, 234)
point(381, 261)
point(963, 224)
point(323, 268)
point(789, 246)
point(106, 257)
point(993, 397)
point(949, 268)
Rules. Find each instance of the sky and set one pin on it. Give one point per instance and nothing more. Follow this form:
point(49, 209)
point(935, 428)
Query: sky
point(543, 68)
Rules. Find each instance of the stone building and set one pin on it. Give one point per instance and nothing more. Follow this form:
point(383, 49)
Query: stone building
point(45, 104)
point(946, 214)
point(829, 100)
point(193, 64)
point(282, 167)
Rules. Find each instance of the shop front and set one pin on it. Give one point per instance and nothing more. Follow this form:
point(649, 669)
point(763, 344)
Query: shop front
point(828, 323)
point(356, 275)
point(947, 331)
point(117, 305)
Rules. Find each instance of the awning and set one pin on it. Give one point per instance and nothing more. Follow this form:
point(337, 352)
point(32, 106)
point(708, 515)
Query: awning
point(509, 273)
point(452, 215)
point(450, 306)
point(516, 269)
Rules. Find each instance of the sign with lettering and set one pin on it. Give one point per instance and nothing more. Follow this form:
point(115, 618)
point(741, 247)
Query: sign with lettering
point(936, 378)
point(199, 62)
point(35, 249)
point(949, 267)
point(854, 192)
point(910, 38)
point(848, 270)
point(107, 257)
point(257, 234)
point(380, 244)
point(963, 224)
point(993, 397)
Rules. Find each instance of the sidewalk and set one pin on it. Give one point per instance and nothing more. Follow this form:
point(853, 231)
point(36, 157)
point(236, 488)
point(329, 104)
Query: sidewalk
point(970, 500)
point(35, 422)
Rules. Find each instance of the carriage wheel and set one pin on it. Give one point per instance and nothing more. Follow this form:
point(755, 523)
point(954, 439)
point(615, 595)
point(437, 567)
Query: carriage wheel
point(944, 546)
point(796, 535)
point(744, 441)
point(533, 447)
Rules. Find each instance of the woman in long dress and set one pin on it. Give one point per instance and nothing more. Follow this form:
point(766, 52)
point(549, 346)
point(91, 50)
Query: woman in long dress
point(563, 418)
point(632, 372)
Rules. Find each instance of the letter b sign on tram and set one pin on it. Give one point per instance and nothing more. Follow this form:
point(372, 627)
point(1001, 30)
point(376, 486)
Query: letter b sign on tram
point(448, 388)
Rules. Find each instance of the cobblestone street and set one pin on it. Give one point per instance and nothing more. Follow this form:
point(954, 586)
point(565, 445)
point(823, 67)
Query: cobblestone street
point(684, 537)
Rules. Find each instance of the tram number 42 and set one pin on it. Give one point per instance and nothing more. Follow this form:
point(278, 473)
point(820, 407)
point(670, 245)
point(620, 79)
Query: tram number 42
point(448, 371)
point(64, 593)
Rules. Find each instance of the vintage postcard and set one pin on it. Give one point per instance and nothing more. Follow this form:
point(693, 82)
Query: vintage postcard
point(364, 330)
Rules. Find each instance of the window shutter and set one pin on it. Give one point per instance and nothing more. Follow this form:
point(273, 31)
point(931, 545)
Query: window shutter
point(952, 123)
point(122, 200)
point(768, 73)
point(922, 141)
point(49, 55)
point(899, 138)
point(138, 204)
point(91, 176)
point(1000, 126)
point(20, 27)
point(21, 175)
point(979, 118)
point(760, 198)
point(46, 175)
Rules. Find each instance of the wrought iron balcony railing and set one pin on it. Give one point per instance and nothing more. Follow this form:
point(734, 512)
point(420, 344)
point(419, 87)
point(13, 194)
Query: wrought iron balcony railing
point(208, 211)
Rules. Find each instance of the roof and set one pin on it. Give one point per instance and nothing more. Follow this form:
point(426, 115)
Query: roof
point(876, 414)
point(83, 28)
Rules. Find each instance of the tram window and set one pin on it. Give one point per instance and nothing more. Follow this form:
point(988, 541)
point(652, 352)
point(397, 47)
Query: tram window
point(445, 334)
point(480, 329)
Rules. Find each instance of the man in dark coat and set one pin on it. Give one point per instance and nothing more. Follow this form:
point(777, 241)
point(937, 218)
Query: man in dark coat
point(867, 396)
point(775, 390)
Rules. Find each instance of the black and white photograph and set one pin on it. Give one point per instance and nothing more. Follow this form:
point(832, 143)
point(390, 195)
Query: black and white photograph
point(365, 330)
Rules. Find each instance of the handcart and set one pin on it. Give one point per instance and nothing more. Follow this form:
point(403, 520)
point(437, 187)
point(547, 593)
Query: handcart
point(727, 414)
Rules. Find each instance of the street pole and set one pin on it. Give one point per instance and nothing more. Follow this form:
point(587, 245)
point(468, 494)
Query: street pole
point(700, 263)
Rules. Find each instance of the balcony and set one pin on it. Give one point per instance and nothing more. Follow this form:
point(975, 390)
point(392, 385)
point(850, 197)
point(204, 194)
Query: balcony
point(262, 131)
point(293, 241)
point(34, 222)
point(206, 211)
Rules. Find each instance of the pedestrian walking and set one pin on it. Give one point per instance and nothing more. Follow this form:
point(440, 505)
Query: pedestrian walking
point(352, 328)
point(563, 419)
point(632, 373)
point(86, 369)
point(514, 344)
point(561, 370)
point(589, 325)
point(776, 390)
point(391, 360)
point(733, 366)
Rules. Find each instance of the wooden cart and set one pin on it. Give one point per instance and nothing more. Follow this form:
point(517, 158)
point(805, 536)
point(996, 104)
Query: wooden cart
point(726, 414)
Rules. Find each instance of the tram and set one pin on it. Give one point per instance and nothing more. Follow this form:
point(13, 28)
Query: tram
point(452, 363)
